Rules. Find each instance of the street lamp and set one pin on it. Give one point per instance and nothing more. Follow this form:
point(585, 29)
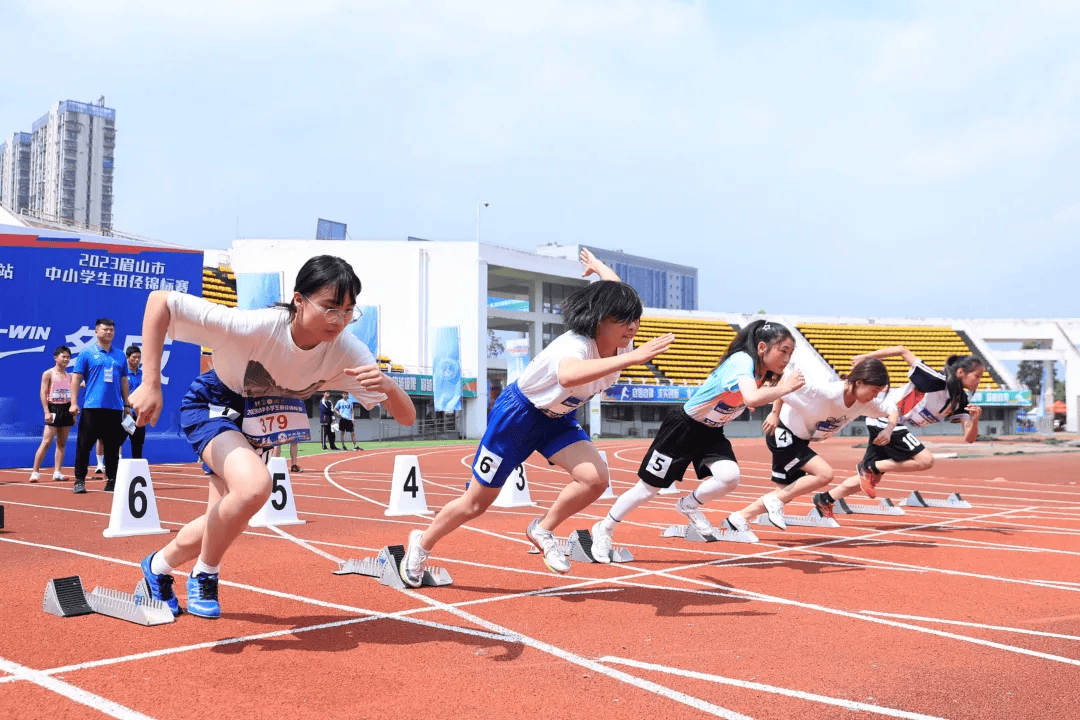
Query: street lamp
point(478, 219)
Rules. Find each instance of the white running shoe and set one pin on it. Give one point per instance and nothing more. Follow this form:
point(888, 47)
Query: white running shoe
point(737, 522)
point(58, 477)
point(34, 477)
point(601, 543)
point(412, 565)
point(695, 516)
point(545, 542)
point(775, 510)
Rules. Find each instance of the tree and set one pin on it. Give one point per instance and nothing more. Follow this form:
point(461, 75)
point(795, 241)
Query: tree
point(1030, 373)
point(496, 346)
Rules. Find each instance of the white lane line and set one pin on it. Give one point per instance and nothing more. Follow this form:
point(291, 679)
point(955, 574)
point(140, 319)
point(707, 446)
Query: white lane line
point(838, 702)
point(71, 692)
point(974, 625)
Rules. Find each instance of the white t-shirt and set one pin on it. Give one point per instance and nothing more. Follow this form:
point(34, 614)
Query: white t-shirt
point(815, 412)
point(255, 356)
point(539, 381)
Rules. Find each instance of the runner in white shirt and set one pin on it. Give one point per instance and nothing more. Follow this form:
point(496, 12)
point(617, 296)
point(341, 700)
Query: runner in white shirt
point(536, 413)
point(265, 363)
point(929, 398)
point(749, 374)
point(815, 412)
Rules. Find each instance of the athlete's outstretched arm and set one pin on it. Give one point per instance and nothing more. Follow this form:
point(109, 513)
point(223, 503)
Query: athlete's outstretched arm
point(594, 265)
point(146, 400)
point(576, 371)
point(909, 357)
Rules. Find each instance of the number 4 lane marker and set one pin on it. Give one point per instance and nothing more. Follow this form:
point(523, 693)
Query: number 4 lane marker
point(134, 507)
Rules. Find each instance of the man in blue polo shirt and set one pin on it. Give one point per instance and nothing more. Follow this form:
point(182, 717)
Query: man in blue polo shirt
point(105, 371)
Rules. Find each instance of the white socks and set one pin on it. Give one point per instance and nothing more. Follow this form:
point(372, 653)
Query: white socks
point(158, 565)
point(201, 567)
point(724, 479)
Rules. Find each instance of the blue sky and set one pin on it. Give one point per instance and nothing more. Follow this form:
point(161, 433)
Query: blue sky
point(827, 157)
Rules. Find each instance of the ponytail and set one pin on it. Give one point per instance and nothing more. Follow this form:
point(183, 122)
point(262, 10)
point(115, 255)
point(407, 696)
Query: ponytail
point(759, 331)
point(955, 363)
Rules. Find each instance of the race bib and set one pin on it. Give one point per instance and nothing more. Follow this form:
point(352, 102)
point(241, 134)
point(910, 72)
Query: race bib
point(270, 421)
point(108, 373)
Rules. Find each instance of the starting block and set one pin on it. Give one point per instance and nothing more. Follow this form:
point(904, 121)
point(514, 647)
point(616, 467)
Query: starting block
point(579, 547)
point(65, 597)
point(884, 507)
point(386, 567)
point(691, 534)
point(915, 499)
point(814, 519)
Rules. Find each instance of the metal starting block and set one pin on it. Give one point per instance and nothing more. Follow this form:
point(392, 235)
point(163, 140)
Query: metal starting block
point(579, 547)
point(814, 519)
point(386, 566)
point(915, 499)
point(65, 597)
point(691, 534)
point(884, 507)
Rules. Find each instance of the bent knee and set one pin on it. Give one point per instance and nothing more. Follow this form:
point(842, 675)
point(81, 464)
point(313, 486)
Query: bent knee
point(924, 463)
point(592, 477)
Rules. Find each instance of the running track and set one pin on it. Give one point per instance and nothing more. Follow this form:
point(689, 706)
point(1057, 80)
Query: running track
point(935, 614)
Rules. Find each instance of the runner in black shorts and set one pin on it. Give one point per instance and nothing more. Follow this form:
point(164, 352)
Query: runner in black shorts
point(694, 433)
point(929, 397)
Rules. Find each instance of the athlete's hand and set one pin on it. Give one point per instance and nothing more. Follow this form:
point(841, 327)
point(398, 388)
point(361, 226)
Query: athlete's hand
point(48, 417)
point(858, 359)
point(74, 408)
point(651, 349)
point(371, 378)
point(792, 381)
point(883, 437)
point(592, 265)
point(771, 423)
point(147, 403)
point(974, 411)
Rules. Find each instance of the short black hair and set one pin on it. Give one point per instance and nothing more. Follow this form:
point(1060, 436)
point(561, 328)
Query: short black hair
point(61, 349)
point(132, 349)
point(322, 271)
point(104, 321)
point(587, 306)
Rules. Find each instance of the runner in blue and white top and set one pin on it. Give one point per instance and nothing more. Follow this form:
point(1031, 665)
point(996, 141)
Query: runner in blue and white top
point(810, 414)
point(747, 375)
point(265, 363)
point(536, 413)
point(930, 397)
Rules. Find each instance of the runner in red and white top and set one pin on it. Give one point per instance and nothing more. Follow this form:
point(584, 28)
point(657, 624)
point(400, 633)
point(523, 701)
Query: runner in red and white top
point(930, 397)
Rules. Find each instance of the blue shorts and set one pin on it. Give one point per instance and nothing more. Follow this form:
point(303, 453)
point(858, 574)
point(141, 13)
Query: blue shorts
point(199, 421)
point(515, 429)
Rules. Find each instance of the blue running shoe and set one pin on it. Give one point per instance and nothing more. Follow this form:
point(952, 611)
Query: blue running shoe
point(160, 586)
point(202, 595)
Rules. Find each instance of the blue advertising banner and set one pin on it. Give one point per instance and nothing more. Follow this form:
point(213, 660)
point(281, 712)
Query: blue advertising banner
point(366, 329)
point(255, 291)
point(54, 289)
point(447, 370)
point(649, 393)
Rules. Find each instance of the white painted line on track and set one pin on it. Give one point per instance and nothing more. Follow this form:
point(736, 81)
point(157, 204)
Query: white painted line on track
point(71, 692)
point(971, 624)
point(799, 694)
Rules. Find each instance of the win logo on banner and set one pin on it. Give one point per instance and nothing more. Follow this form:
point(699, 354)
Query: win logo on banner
point(447, 370)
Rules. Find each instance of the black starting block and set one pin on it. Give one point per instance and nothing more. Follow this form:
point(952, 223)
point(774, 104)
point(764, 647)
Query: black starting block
point(386, 566)
point(65, 597)
point(1, 517)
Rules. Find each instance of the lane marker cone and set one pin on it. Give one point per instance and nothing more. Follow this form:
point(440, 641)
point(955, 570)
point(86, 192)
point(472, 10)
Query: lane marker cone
point(134, 507)
point(407, 488)
point(279, 508)
point(515, 491)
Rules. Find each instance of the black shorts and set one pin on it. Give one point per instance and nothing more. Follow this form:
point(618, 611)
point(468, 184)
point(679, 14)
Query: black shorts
point(346, 426)
point(789, 454)
point(680, 441)
point(902, 445)
point(61, 413)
